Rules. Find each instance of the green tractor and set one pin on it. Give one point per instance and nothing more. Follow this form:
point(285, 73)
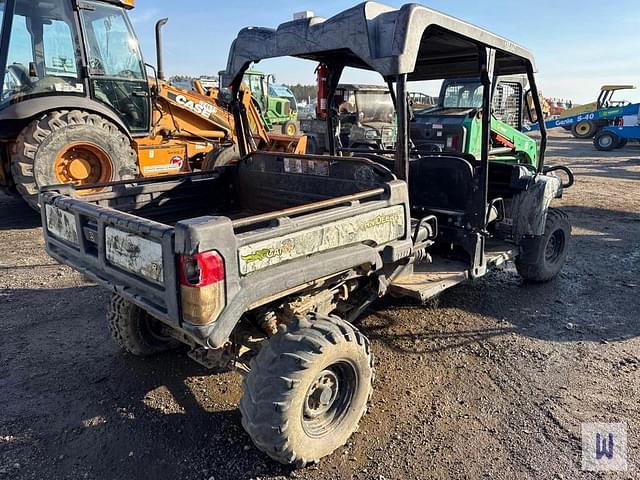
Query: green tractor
point(454, 124)
point(277, 104)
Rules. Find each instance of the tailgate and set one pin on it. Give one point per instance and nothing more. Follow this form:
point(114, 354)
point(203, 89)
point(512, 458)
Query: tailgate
point(127, 254)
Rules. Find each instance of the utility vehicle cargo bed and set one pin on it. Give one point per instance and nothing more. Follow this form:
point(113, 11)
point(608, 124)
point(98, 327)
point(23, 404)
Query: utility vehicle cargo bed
point(277, 222)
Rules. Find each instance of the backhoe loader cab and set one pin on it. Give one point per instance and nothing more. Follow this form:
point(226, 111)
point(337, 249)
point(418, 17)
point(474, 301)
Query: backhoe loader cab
point(74, 94)
point(43, 54)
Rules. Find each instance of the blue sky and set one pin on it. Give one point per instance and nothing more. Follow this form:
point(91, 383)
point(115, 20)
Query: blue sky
point(579, 45)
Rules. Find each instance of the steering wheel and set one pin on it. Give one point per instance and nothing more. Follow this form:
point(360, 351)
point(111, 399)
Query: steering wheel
point(429, 148)
point(20, 74)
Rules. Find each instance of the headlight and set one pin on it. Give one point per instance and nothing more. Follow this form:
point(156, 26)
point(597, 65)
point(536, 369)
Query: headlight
point(371, 134)
point(61, 224)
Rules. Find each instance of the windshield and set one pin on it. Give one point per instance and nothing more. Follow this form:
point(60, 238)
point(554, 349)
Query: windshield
point(375, 106)
point(463, 95)
point(116, 68)
point(43, 52)
point(112, 48)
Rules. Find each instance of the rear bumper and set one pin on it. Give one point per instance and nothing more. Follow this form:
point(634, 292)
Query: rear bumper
point(88, 253)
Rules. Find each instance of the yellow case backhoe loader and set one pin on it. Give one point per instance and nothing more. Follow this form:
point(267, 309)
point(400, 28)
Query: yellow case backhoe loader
point(77, 106)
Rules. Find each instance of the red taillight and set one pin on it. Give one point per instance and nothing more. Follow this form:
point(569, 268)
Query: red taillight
point(452, 142)
point(201, 270)
point(202, 289)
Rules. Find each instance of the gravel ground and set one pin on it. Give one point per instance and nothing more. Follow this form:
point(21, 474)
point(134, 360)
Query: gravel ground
point(493, 382)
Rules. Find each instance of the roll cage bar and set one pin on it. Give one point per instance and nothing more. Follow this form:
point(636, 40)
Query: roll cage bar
point(411, 43)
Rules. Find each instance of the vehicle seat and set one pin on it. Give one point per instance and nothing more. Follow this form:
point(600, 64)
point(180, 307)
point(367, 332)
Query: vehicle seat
point(506, 179)
point(441, 185)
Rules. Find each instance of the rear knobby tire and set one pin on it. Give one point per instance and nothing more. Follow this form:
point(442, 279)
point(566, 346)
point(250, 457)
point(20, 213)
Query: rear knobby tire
point(553, 254)
point(41, 142)
point(135, 331)
point(290, 407)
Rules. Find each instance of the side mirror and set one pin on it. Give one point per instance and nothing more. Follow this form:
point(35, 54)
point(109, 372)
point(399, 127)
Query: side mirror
point(530, 107)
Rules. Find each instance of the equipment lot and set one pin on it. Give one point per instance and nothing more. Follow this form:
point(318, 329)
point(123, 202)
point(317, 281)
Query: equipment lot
point(493, 382)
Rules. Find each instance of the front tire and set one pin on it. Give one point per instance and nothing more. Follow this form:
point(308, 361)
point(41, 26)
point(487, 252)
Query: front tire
point(550, 259)
point(307, 390)
point(135, 331)
point(584, 129)
point(70, 147)
point(606, 141)
point(221, 157)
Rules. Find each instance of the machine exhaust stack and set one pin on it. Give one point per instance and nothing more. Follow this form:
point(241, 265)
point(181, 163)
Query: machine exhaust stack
point(159, 58)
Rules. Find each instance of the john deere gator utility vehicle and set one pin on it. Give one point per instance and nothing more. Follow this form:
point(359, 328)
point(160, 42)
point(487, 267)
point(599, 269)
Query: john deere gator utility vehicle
point(284, 251)
point(77, 106)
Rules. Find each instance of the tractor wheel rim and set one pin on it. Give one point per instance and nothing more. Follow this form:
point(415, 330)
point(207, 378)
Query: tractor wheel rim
point(605, 141)
point(583, 128)
point(328, 399)
point(83, 164)
point(291, 130)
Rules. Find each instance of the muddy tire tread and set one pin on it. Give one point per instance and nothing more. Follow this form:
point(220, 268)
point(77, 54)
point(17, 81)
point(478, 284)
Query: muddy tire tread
point(123, 318)
point(26, 147)
point(280, 364)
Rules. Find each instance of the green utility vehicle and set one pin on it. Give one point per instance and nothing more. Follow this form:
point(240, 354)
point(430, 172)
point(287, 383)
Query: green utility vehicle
point(455, 123)
point(277, 104)
point(266, 264)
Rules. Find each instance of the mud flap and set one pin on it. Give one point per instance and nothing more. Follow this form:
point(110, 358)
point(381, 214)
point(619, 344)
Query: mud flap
point(529, 207)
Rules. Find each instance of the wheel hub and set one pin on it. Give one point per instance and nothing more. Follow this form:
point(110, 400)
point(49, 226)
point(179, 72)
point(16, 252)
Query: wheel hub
point(79, 168)
point(321, 395)
point(83, 164)
point(554, 246)
point(582, 128)
point(605, 141)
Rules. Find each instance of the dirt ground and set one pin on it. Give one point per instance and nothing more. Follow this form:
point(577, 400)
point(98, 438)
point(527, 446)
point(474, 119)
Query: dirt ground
point(494, 382)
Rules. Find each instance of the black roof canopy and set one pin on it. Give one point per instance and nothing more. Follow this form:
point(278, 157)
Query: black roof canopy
point(413, 40)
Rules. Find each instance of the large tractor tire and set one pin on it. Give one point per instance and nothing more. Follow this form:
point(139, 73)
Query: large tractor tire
point(552, 256)
point(606, 141)
point(221, 157)
point(584, 129)
point(307, 390)
point(135, 331)
point(70, 147)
